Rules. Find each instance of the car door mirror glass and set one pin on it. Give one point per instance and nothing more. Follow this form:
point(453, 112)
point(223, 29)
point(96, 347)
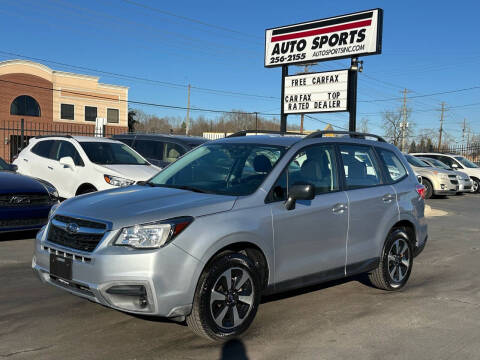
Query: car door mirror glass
point(67, 161)
point(299, 192)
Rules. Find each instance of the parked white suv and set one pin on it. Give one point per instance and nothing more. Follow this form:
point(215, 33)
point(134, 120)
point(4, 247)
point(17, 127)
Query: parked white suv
point(80, 164)
point(458, 163)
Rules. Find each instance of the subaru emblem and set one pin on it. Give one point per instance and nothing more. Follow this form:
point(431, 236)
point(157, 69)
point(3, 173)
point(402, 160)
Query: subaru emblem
point(72, 228)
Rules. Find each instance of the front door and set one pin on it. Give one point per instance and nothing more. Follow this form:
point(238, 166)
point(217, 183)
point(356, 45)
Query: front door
point(311, 238)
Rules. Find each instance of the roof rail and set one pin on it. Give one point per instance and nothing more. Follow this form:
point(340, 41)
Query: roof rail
point(245, 132)
point(48, 136)
point(353, 134)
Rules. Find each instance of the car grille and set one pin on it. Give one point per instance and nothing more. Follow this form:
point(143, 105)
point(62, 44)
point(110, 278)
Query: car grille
point(24, 200)
point(14, 223)
point(86, 236)
point(453, 179)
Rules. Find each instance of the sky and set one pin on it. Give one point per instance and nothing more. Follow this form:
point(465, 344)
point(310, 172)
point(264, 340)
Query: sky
point(157, 48)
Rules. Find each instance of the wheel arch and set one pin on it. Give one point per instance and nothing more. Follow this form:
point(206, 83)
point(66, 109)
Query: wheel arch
point(85, 186)
point(408, 227)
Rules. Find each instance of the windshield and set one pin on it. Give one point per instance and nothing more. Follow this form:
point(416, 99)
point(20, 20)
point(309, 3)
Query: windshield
point(110, 153)
point(226, 168)
point(416, 162)
point(437, 163)
point(466, 163)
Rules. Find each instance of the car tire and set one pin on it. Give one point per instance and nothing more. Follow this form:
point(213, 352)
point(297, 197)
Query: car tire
point(475, 185)
point(428, 188)
point(395, 264)
point(219, 303)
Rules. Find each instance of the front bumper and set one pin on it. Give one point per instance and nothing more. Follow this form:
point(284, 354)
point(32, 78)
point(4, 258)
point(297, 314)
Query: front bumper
point(446, 191)
point(465, 185)
point(166, 275)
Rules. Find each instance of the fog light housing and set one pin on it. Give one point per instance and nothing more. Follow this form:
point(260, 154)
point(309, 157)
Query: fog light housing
point(130, 297)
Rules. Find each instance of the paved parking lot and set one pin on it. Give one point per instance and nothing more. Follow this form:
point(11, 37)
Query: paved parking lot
point(436, 316)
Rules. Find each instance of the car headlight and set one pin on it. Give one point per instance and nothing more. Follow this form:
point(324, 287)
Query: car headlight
point(153, 235)
point(52, 210)
point(117, 181)
point(443, 176)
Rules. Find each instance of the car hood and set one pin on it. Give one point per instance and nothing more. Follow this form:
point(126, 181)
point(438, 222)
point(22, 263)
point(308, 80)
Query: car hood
point(13, 183)
point(132, 172)
point(431, 170)
point(142, 204)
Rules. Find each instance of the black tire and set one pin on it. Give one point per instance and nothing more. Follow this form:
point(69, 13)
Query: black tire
point(381, 277)
point(202, 320)
point(85, 190)
point(428, 188)
point(476, 185)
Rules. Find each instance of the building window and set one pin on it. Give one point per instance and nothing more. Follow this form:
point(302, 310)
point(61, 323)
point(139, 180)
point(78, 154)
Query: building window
point(112, 116)
point(25, 105)
point(67, 112)
point(90, 113)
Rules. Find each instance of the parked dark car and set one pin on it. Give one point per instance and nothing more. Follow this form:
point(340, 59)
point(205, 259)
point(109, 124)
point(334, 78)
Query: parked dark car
point(24, 202)
point(160, 149)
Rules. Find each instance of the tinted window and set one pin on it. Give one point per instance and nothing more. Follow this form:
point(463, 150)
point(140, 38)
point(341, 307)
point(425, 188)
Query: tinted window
point(66, 149)
point(112, 115)
point(360, 167)
point(446, 160)
point(25, 105)
point(396, 170)
point(43, 148)
point(109, 153)
point(67, 112)
point(150, 148)
point(220, 168)
point(412, 160)
point(312, 165)
point(125, 141)
point(90, 113)
point(173, 152)
point(466, 162)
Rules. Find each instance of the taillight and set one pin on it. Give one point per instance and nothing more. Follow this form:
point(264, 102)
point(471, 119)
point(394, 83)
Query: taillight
point(420, 190)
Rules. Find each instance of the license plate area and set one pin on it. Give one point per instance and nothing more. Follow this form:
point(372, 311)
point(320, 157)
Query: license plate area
point(60, 267)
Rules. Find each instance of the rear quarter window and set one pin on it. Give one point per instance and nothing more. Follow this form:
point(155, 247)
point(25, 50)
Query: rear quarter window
point(393, 165)
point(43, 148)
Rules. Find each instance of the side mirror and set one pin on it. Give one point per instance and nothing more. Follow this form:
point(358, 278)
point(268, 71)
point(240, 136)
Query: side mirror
point(454, 166)
point(67, 162)
point(299, 192)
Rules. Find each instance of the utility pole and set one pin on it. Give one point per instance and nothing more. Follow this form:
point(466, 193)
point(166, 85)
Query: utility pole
point(404, 119)
point(302, 116)
point(187, 122)
point(441, 127)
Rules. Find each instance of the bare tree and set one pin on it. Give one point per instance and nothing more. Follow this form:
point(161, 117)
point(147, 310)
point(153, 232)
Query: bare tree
point(364, 125)
point(392, 126)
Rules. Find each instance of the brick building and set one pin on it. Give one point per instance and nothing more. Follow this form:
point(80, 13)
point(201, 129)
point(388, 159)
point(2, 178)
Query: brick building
point(51, 102)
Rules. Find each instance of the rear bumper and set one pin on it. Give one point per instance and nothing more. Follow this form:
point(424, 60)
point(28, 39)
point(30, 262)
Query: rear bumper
point(420, 246)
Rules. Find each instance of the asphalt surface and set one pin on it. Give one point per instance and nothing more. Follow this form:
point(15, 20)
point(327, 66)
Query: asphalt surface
point(436, 316)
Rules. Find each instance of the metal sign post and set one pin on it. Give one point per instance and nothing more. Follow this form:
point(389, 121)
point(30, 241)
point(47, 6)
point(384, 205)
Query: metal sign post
point(283, 116)
point(352, 94)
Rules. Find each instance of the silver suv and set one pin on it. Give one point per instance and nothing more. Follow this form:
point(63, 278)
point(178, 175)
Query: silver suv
point(235, 219)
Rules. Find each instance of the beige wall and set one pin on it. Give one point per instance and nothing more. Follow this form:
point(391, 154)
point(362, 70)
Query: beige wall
point(78, 90)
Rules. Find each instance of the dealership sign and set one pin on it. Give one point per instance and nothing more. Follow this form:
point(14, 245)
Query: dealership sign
point(316, 92)
point(352, 35)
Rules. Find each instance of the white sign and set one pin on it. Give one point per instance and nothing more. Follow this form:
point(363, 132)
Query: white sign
point(99, 124)
point(316, 92)
point(333, 38)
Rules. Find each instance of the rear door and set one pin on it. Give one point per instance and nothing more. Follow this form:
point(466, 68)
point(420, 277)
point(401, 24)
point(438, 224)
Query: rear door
point(310, 239)
point(372, 205)
point(68, 178)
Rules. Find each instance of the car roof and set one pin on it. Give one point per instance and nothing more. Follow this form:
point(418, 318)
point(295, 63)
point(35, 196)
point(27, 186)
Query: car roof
point(278, 140)
point(433, 153)
point(184, 138)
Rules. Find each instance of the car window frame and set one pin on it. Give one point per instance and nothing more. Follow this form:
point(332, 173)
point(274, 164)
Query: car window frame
point(376, 159)
point(81, 164)
point(41, 142)
point(385, 170)
point(268, 198)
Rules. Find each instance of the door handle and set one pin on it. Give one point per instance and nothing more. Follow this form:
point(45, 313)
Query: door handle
point(26, 160)
point(51, 168)
point(339, 208)
point(388, 198)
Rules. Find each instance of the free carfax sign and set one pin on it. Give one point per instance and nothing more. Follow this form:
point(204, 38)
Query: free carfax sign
point(352, 35)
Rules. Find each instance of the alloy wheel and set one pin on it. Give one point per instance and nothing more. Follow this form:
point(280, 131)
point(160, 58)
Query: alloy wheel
point(231, 298)
point(399, 261)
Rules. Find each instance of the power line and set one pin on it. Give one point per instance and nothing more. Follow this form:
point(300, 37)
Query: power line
point(196, 21)
point(133, 77)
point(424, 95)
point(324, 122)
point(143, 102)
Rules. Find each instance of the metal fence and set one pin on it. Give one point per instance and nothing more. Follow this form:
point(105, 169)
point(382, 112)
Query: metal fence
point(15, 134)
point(470, 151)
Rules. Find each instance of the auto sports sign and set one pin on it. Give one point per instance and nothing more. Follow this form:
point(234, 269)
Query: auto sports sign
point(316, 92)
point(327, 39)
